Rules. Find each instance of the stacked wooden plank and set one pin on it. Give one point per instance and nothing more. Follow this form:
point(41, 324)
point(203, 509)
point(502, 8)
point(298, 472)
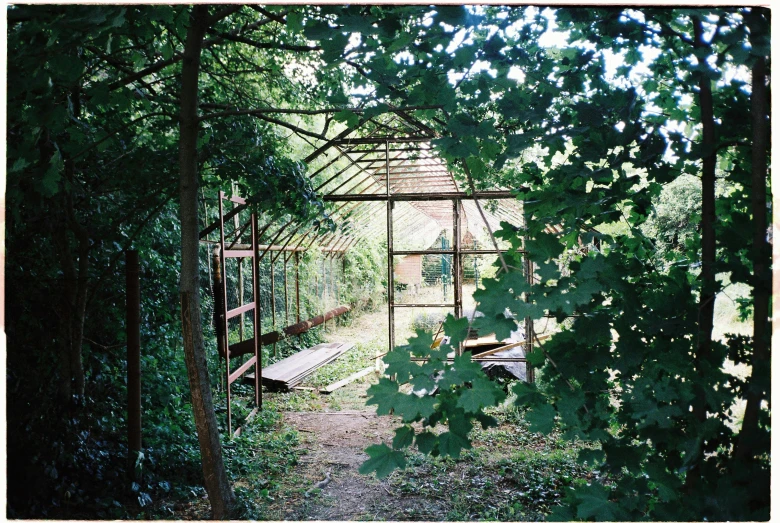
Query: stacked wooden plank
point(289, 372)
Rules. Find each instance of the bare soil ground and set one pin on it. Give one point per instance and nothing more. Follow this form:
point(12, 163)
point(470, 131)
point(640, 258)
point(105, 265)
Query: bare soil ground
point(335, 443)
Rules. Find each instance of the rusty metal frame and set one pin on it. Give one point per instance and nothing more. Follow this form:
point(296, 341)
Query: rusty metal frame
point(255, 361)
point(383, 160)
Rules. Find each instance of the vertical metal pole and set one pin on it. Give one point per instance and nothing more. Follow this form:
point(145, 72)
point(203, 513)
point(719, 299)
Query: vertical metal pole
point(297, 288)
point(286, 308)
point(273, 298)
point(528, 323)
point(390, 275)
point(236, 227)
point(340, 278)
point(240, 298)
point(256, 321)
point(457, 288)
point(133, 326)
point(332, 289)
point(224, 298)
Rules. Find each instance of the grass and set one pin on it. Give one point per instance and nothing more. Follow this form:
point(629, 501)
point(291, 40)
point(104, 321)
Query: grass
point(511, 474)
point(349, 363)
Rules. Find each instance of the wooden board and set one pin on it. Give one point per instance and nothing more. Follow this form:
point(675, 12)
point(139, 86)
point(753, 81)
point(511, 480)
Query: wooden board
point(349, 379)
point(280, 367)
point(482, 340)
point(496, 350)
point(292, 370)
point(300, 365)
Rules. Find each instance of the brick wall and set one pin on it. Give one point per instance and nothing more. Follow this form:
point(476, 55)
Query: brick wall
point(408, 270)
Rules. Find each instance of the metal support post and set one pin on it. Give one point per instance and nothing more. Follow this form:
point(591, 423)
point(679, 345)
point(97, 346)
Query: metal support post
point(224, 298)
point(240, 297)
point(297, 288)
point(273, 300)
point(286, 308)
point(256, 327)
point(528, 269)
point(457, 275)
point(390, 276)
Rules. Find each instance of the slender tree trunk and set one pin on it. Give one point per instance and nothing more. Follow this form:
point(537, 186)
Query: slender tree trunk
point(707, 294)
point(80, 295)
point(79, 303)
point(218, 487)
point(72, 303)
point(762, 278)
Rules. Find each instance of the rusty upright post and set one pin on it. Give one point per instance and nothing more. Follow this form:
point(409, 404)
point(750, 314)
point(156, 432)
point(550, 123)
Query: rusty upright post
point(256, 318)
point(273, 299)
point(457, 274)
point(297, 288)
point(223, 291)
point(133, 326)
point(286, 308)
point(528, 269)
point(390, 275)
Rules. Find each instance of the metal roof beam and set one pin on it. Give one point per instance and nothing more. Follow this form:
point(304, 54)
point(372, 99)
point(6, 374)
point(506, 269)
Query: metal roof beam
point(418, 196)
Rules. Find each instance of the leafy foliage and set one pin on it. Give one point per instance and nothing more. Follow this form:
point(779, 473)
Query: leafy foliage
point(591, 144)
point(586, 140)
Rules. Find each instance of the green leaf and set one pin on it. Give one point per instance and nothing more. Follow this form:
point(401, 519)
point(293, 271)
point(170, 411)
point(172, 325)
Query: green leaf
point(593, 502)
point(456, 329)
point(451, 15)
point(541, 418)
point(167, 50)
point(483, 393)
point(535, 357)
point(526, 394)
point(295, 21)
point(545, 247)
point(463, 370)
point(317, 30)
point(399, 364)
point(404, 436)
point(451, 443)
point(349, 117)
point(19, 165)
point(592, 457)
point(382, 460)
point(410, 407)
point(52, 177)
point(383, 394)
point(426, 442)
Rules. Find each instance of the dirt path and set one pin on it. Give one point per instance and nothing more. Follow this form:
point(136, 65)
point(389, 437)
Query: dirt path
point(336, 441)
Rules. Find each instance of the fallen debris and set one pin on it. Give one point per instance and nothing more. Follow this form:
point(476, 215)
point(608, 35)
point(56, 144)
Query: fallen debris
point(319, 485)
point(349, 379)
point(291, 371)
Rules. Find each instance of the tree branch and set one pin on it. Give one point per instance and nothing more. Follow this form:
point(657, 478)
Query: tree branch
point(273, 110)
point(95, 144)
point(665, 29)
point(267, 45)
point(216, 17)
point(277, 18)
point(178, 57)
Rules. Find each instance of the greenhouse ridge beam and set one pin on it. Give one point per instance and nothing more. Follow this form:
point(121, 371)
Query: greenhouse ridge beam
point(418, 196)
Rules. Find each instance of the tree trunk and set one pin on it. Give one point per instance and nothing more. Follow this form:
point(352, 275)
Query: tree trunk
point(707, 294)
point(72, 308)
point(762, 278)
point(218, 487)
point(79, 303)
